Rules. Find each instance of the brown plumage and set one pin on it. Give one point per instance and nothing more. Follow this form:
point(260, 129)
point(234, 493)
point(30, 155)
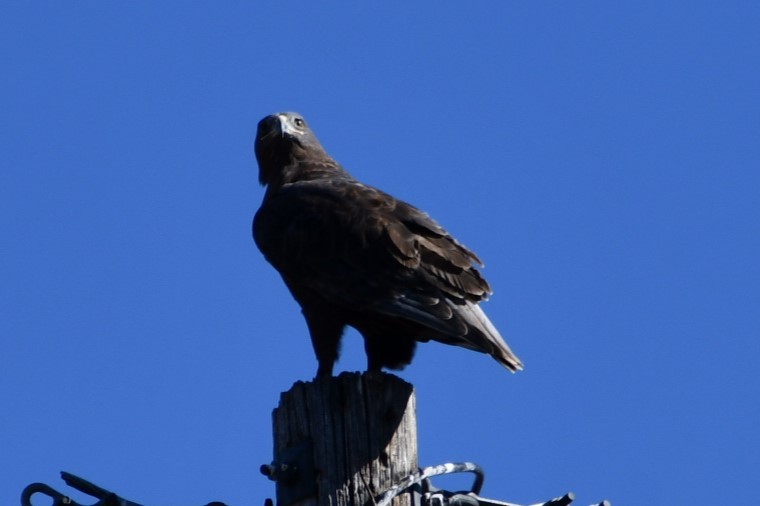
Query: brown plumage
point(353, 255)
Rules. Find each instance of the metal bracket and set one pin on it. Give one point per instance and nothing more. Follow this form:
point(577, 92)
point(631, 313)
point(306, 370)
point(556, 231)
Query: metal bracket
point(294, 473)
point(106, 497)
point(434, 496)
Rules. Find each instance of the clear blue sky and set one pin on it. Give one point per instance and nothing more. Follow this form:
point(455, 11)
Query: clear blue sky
point(603, 158)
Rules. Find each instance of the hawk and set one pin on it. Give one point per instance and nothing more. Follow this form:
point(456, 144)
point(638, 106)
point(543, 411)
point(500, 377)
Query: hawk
point(353, 255)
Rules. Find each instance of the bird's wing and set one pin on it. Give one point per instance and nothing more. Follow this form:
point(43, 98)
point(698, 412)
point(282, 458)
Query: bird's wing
point(366, 251)
point(447, 297)
point(326, 228)
point(417, 240)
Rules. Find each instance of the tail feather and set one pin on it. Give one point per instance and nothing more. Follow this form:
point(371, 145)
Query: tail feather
point(485, 336)
point(455, 323)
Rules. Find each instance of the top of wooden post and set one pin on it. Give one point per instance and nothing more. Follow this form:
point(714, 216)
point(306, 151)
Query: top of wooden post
point(358, 430)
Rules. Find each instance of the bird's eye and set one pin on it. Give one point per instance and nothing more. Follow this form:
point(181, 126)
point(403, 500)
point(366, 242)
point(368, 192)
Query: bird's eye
point(299, 122)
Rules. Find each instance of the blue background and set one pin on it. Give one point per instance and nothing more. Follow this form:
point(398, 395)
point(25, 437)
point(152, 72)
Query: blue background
point(603, 159)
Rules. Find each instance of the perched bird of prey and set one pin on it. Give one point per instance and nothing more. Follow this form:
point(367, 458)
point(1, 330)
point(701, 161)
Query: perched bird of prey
point(353, 255)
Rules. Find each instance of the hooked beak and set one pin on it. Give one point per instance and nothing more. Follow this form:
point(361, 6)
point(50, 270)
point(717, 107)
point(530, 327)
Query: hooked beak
point(286, 127)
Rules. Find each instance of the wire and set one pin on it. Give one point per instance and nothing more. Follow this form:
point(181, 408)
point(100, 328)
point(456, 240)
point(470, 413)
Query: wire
point(386, 497)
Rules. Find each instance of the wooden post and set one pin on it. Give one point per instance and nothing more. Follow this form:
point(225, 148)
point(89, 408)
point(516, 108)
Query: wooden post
point(358, 431)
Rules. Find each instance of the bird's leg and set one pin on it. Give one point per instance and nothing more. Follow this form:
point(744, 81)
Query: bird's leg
point(324, 371)
point(373, 347)
point(325, 338)
point(373, 364)
point(384, 352)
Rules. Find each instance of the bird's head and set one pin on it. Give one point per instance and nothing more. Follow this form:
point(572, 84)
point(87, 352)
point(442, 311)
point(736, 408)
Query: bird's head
point(283, 139)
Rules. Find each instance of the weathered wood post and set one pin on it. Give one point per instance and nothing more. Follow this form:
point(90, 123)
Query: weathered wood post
point(342, 441)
